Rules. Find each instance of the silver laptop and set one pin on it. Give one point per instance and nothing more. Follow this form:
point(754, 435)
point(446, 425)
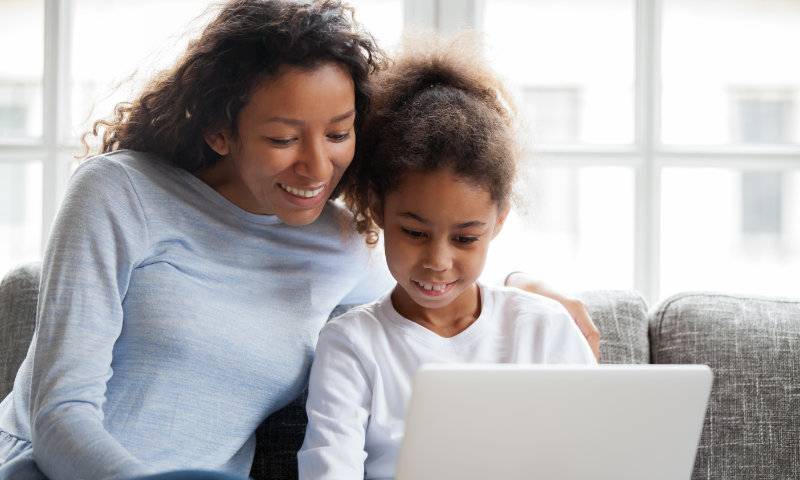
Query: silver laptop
point(511, 422)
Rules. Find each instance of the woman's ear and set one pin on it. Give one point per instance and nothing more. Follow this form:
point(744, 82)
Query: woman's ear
point(501, 220)
point(376, 207)
point(220, 141)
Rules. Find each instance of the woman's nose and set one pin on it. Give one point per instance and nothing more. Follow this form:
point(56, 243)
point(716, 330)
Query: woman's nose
point(315, 162)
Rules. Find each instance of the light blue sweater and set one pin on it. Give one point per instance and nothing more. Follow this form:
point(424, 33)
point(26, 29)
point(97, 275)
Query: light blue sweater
point(171, 323)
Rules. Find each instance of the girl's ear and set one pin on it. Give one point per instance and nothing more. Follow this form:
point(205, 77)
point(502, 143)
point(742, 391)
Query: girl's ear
point(220, 141)
point(376, 207)
point(501, 220)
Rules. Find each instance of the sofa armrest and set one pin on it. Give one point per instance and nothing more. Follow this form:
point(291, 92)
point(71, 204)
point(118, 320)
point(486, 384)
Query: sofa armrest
point(752, 344)
point(621, 317)
point(19, 294)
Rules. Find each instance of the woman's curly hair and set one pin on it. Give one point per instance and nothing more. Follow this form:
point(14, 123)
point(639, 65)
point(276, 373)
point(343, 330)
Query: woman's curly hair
point(438, 106)
point(246, 43)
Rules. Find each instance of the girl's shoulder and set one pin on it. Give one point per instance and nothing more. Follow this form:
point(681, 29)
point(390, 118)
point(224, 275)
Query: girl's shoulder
point(516, 296)
point(365, 320)
point(519, 305)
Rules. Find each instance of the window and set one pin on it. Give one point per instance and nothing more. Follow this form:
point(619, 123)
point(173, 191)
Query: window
point(762, 117)
point(21, 69)
point(666, 143)
point(681, 129)
point(553, 113)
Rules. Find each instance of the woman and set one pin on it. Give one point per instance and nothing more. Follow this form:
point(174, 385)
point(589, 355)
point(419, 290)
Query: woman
point(192, 265)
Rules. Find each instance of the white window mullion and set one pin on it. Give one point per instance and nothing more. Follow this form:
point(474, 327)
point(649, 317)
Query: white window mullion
point(55, 169)
point(648, 176)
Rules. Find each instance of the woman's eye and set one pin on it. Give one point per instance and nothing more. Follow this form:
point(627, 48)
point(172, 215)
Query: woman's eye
point(281, 141)
point(412, 233)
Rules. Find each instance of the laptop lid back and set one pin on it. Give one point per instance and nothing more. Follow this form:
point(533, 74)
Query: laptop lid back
point(471, 421)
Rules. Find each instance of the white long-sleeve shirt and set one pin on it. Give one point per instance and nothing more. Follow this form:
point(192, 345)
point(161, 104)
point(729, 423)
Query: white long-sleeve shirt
point(361, 376)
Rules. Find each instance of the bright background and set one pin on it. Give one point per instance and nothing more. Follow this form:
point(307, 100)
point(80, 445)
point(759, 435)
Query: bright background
point(665, 134)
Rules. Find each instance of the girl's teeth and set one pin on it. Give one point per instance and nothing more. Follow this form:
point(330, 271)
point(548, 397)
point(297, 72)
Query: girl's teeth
point(436, 288)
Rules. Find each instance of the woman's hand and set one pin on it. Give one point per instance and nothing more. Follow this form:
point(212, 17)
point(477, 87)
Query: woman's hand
point(576, 308)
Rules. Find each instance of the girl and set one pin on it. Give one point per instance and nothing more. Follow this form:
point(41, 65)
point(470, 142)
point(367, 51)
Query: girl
point(439, 183)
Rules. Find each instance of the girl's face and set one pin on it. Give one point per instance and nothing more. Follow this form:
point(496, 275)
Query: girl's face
point(437, 228)
point(295, 140)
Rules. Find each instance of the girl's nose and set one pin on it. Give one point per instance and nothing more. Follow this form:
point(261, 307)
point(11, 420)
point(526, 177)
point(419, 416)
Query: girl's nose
point(438, 257)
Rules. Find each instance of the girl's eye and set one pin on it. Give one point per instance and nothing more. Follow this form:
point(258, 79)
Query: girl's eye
point(466, 240)
point(412, 233)
point(339, 137)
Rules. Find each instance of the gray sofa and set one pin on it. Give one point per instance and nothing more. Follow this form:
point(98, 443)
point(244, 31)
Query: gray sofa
point(752, 344)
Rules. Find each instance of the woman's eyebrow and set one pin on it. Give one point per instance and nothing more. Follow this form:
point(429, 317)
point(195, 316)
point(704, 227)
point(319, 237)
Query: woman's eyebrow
point(294, 121)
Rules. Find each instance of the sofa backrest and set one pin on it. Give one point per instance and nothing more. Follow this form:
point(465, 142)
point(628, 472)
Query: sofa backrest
point(752, 344)
point(752, 427)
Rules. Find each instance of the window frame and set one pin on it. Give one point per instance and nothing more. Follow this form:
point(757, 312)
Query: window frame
point(647, 156)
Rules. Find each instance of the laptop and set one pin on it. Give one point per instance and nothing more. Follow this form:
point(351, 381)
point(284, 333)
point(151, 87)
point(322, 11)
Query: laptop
point(509, 422)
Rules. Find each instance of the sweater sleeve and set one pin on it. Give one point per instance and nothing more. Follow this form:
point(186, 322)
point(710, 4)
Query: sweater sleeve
point(338, 407)
point(375, 280)
point(97, 235)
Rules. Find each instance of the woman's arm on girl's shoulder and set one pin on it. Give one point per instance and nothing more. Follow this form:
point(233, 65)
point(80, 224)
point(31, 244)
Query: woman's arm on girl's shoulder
point(576, 308)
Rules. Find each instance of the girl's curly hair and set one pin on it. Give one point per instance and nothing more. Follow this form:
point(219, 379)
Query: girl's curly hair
point(246, 43)
point(438, 106)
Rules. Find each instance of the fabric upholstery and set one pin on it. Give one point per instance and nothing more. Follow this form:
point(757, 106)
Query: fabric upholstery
point(18, 297)
point(621, 318)
point(752, 344)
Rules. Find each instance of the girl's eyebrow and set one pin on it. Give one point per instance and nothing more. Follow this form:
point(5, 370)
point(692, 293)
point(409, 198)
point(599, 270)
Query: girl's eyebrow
point(294, 121)
point(472, 223)
point(339, 118)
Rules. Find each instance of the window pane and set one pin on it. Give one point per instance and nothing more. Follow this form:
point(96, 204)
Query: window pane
point(20, 213)
point(21, 67)
point(732, 231)
point(570, 64)
point(730, 73)
point(577, 230)
point(383, 18)
point(153, 34)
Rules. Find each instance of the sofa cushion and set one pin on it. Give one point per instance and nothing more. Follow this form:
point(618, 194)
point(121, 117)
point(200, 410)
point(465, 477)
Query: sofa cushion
point(752, 344)
point(621, 317)
point(18, 298)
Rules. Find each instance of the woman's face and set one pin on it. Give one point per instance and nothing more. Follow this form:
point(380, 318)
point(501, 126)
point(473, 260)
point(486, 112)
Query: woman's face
point(295, 140)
